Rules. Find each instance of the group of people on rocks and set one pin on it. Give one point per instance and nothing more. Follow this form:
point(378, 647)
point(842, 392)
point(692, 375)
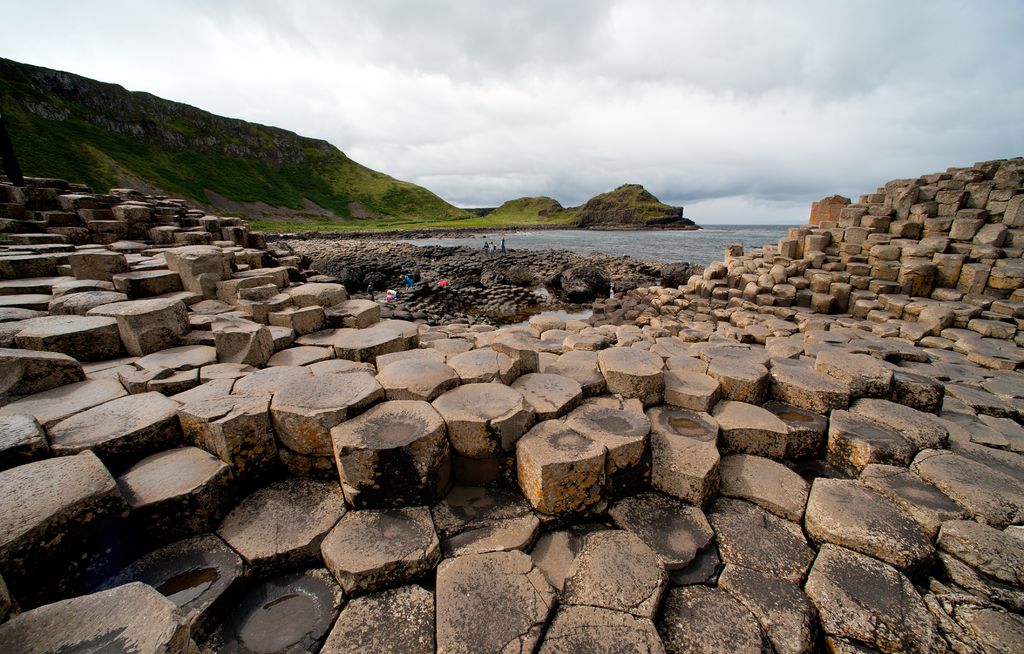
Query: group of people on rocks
point(391, 295)
point(490, 249)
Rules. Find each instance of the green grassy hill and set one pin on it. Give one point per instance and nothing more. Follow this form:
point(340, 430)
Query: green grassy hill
point(530, 211)
point(100, 134)
point(629, 204)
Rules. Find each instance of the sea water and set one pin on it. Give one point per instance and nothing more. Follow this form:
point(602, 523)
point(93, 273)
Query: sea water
point(701, 247)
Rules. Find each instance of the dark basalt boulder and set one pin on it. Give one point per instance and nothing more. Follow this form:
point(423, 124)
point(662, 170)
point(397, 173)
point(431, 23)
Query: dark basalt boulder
point(677, 274)
point(584, 283)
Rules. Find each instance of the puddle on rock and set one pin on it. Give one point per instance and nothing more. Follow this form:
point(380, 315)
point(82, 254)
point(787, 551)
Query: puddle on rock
point(184, 587)
point(282, 622)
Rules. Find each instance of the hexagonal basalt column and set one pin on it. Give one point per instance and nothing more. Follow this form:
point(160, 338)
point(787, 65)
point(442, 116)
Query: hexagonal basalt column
point(581, 366)
point(684, 454)
point(21, 441)
point(305, 411)
point(482, 366)
point(370, 550)
point(519, 347)
point(57, 519)
point(86, 338)
point(633, 373)
point(417, 379)
point(474, 520)
point(750, 429)
point(130, 618)
point(806, 430)
point(235, 428)
point(623, 429)
point(484, 421)
point(26, 373)
point(740, 380)
point(122, 430)
point(593, 629)
point(369, 343)
point(560, 471)
point(147, 325)
point(52, 406)
point(200, 267)
point(177, 493)
point(408, 612)
point(281, 526)
point(396, 453)
point(616, 570)
point(855, 441)
point(500, 591)
point(550, 396)
point(676, 531)
point(101, 264)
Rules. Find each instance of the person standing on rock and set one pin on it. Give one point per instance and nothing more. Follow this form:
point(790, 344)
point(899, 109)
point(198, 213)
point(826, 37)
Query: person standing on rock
point(369, 290)
point(503, 245)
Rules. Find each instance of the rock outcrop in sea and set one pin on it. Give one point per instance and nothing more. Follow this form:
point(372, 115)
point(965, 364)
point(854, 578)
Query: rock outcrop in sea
point(206, 445)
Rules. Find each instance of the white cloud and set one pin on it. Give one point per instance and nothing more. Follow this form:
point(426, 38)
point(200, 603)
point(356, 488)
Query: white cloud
point(742, 110)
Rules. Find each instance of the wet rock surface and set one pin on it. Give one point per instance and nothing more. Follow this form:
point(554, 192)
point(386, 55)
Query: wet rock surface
point(197, 574)
point(290, 613)
point(815, 445)
point(128, 618)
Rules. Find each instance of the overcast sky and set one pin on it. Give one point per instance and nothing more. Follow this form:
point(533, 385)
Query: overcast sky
point(741, 111)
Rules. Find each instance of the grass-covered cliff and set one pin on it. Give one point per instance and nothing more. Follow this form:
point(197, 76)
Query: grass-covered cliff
point(78, 129)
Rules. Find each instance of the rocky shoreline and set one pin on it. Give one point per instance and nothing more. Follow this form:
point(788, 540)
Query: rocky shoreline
point(481, 288)
point(208, 445)
point(462, 232)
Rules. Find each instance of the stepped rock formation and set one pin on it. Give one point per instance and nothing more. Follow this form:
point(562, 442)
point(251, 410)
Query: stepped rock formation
point(816, 444)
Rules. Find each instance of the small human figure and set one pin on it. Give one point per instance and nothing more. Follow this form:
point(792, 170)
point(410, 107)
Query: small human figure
point(487, 248)
point(416, 276)
point(443, 283)
point(391, 295)
point(408, 281)
point(369, 290)
point(503, 245)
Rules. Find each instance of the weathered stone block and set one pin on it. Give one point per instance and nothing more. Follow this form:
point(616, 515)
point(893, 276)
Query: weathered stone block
point(395, 454)
point(560, 472)
point(27, 373)
point(134, 617)
point(147, 325)
point(86, 338)
point(373, 549)
point(55, 526)
point(177, 493)
point(120, 431)
point(99, 264)
point(235, 428)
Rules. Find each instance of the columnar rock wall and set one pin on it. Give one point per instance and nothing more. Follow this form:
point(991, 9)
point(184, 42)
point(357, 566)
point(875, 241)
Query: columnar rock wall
point(54, 211)
point(954, 237)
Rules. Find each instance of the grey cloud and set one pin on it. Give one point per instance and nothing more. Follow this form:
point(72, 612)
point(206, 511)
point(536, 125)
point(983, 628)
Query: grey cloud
point(751, 107)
